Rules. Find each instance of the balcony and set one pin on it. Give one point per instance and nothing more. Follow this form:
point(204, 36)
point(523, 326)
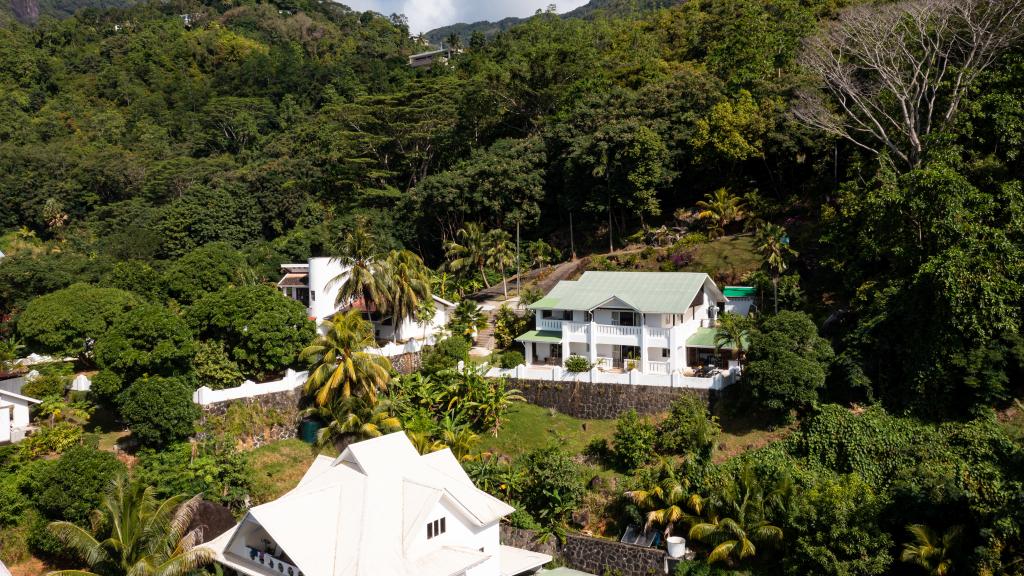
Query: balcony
point(275, 565)
point(658, 367)
point(550, 324)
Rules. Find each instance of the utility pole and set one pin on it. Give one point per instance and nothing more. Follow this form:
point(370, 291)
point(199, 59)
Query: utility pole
point(519, 272)
point(572, 237)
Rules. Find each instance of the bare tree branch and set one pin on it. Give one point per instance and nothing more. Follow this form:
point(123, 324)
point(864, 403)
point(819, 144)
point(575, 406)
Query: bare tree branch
point(889, 75)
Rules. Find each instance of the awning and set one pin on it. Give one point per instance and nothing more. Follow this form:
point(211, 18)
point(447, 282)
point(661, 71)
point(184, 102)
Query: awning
point(518, 561)
point(705, 338)
point(739, 291)
point(545, 336)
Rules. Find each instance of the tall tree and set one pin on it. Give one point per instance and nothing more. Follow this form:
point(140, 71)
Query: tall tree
point(773, 243)
point(469, 251)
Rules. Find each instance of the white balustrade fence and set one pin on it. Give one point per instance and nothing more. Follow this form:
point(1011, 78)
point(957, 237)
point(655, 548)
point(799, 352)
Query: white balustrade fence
point(634, 377)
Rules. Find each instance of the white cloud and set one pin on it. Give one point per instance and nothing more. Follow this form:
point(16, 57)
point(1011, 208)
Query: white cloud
point(426, 15)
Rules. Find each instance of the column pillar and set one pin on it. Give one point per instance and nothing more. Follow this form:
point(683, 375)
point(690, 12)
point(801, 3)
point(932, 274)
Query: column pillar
point(643, 343)
point(673, 351)
point(592, 339)
point(528, 348)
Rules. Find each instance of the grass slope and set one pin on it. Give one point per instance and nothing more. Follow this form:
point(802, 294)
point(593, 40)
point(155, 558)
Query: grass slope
point(528, 427)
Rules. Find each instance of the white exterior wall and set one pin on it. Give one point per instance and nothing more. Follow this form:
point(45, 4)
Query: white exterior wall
point(321, 296)
point(5, 422)
point(739, 306)
point(460, 532)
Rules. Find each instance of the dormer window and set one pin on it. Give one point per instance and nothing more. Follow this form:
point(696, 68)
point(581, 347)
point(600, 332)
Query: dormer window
point(435, 528)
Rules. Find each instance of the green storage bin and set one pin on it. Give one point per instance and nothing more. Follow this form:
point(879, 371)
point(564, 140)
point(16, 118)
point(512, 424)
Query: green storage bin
point(308, 430)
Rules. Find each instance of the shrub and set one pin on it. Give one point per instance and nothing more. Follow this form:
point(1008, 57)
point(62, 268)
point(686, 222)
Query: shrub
point(553, 486)
point(106, 385)
point(159, 410)
point(45, 385)
point(577, 364)
point(221, 475)
point(445, 355)
point(51, 440)
point(603, 263)
point(512, 358)
point(633, 443)
point(72, 487)
point(689, 428)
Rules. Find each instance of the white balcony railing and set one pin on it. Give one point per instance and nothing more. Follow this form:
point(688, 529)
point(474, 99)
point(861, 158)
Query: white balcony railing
point(657, 367)
point(276, 566)
point(549, 324)
point(575, 328)
point(612, 330)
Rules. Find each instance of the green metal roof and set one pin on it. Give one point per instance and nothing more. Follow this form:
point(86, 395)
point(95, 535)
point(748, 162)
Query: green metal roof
point(549, 336)
point(655, 292)
point(705, 338)
point(739, 291)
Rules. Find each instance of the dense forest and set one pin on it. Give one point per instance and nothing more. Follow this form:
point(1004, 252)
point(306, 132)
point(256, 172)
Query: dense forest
point(155, 154)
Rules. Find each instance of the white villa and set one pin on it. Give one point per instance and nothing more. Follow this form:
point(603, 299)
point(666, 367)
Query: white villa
point(15, 421)
point(651, 323)
point(312, 284)
point(379, 509)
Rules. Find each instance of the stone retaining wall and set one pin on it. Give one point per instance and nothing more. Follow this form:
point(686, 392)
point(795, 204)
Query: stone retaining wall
point(406, 363)
point(592, 555)
point(594, 400)
point(280, 410)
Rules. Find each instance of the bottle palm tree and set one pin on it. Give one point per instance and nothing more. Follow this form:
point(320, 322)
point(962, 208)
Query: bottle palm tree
point(733, 333)
point(737, 517)
point(773, 243)
point(136, 534)
point(721, 208)
point(355, 416)
point(501, 254)
point(470, 251)
point(340, 366)
point(666, 499)
point(931, 551)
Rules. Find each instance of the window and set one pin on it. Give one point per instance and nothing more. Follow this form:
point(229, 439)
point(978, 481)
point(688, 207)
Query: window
point(312, 295)
point(665, 352)
point(435, 528)
point(624, 318)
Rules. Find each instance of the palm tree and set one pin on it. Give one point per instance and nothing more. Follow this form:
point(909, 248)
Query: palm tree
point(339, 363)
point(355, 416)
point(140, 535)
point(733, 333)
point(468, 318)
point(362, 279)
point(10, 348)
point(423, 442)
point(737, 523)
point(470, 251)
point(721, 208)
point(425, 314)
point(461, 441)
point(501, 254)
point(405, 282)
point(930, 551)
point(666, 498)
point(773, 243)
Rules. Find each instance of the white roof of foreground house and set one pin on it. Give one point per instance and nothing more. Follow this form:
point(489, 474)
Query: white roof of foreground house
point(651, 292)
point(363, 514)
point(3, 569)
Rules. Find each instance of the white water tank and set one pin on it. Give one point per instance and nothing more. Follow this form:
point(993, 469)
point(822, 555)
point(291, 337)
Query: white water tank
point(676, 546)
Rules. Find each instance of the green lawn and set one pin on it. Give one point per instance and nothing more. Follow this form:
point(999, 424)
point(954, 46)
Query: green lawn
point(278, 467)
point(528, 426)
point(732, 255)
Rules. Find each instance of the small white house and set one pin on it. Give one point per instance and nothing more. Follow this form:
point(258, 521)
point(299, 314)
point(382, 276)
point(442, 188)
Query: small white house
point(741, 299)
point(314, 284)
point(14, 416)
point(378, 509)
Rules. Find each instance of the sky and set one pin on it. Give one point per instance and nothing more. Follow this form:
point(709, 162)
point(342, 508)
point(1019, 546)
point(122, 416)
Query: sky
point(425, 15)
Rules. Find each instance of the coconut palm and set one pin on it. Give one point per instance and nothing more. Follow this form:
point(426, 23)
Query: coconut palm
point(470, 251)
point(736, 521)
point(357, 417)
point(405, 282)
point(733, 333)
point(362, 278)
point(135, 534)
point(931, 551)
point(666, 499)
point(501, 254)
point(721, 208)
point(340, 366)
point(773, 243)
